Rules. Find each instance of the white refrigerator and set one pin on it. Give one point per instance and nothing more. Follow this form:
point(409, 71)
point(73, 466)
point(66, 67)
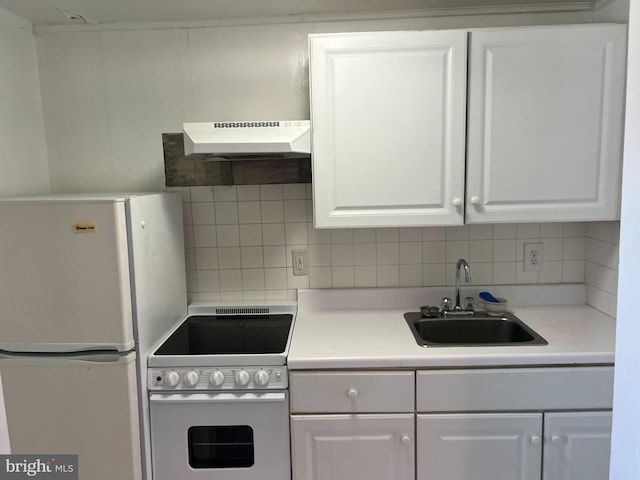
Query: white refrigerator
point(88, 285)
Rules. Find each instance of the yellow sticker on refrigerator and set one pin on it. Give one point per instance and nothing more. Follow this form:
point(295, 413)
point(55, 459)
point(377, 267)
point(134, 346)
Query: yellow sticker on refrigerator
point(84, 227)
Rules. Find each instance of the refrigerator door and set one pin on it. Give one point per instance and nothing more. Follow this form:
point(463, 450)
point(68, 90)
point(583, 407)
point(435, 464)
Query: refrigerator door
point(64, 276)
point(75, 405)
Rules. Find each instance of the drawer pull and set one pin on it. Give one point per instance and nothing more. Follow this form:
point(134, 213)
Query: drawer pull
point(405, 440)
point(352, 393)
point(535, 439)
point(556, 439)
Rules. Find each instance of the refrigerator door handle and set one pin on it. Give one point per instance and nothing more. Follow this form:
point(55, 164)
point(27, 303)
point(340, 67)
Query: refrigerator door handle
point(62, 360)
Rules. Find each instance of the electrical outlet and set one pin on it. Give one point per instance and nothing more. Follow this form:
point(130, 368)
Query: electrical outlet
point(300, 262)
point(533, 256)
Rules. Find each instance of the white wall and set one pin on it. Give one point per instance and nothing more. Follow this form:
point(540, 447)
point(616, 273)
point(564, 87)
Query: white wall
point(625, 457)
point(109, 95)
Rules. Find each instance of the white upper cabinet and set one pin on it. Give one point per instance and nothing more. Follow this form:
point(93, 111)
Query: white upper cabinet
point(545, 123)
point(388, 123)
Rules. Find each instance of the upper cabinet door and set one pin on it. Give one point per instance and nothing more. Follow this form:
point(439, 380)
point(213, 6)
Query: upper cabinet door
point(545, 123)
point(388, 122)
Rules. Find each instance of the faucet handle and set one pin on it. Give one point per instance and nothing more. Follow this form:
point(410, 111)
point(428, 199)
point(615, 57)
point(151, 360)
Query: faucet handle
point(446, 304)
point(469, 304)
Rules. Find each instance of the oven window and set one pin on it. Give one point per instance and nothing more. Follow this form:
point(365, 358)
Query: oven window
point(229, 446)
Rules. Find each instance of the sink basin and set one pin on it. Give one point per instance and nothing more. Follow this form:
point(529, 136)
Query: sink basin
point(478, 330)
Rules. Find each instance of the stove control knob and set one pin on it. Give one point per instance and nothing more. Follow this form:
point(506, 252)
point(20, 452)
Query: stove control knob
point(172, 379)
point(242, 378)
point(262, 377)
point(191, 378)
point(217, 378)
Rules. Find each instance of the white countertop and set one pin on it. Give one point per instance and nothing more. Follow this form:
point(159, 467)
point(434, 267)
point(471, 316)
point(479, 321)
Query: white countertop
point(332, 335)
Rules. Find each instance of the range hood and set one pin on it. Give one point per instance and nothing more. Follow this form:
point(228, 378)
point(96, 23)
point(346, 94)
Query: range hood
point(250, 140)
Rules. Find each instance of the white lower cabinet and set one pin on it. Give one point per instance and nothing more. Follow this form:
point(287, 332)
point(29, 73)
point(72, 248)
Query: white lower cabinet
point(348, 447)
point(479, 446)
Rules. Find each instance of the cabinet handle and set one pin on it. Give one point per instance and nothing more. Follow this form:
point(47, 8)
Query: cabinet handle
point(475, 200)
point(535, 439)
point(405, 440)
point(556, 439)
point(457, 202)
point(352, 393)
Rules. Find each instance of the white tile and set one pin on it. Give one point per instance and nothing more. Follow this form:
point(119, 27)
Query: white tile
point(528, 230)
point(271, 192)
point(228, 235)
point(318, 236)
point(388, 253)
point(225, 193)
point(411, 253)
point(253, 279)
point(364, 254)
point(251, 257)
point(192, 281)
point(504, 250)
point(226, 213)
point(551, 230)
point(457, 249)
point(552, 249)
point(250, 234)
point(204, 236)
point(203, 213)
point(295, 191)
point(201, 194)
point(551, 272)
point(320, 277)
point(573, 248)
point(504, 231)
point(342, 235)
point(231, 296)
point(388, 275)
point(365, 276)
point(185, 193)
point(520, 242)
point(602, 253)
point(248, 192)
point(249, 212)
point(434, 252)
point(280, 295)
point(504, 273)
point(433, 275)
point(342, 255)
point(577, 229)
point(309, 210)
point(526, 276)
point(273, 234)
point(190, 259)
point(481, 273)
point(481, 232)
point(604, 231)
point(230, 280)
point(229, 257)
point(481, 251)
point(295, 233)
point(309, 190)
point(296, 281)
point(342, 277)
point(187, 216)
point(410, 234)
point(189, 241)
point(364, 235)
point(208, 281)
point(295, 210)
point(387, 235)
point(433, 234)
point(208, 296)
point(274, 256)
point(601, 300)
point(319, 255)
point(275, 278)
point(254, 295)
point(272, 211)
point(206, 258)
point(573, 271)
point(410, 275)
point(457, 233)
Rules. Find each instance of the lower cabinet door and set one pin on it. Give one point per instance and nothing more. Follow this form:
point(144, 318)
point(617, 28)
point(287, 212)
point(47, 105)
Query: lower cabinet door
point(479, 446)
point(348, 447)
point(577, 446)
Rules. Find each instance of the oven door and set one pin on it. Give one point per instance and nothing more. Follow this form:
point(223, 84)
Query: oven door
point(226, 436)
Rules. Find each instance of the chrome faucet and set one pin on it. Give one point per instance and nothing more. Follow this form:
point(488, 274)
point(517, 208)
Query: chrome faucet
point(467, 278)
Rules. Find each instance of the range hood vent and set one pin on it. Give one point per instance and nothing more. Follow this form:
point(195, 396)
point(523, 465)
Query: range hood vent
point(248, 140)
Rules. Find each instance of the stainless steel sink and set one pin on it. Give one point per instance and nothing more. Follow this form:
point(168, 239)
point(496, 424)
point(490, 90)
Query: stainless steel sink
point(480, 329)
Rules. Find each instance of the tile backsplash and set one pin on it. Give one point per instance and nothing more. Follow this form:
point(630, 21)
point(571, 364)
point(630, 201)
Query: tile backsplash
point(601, 265)
point(239, 241)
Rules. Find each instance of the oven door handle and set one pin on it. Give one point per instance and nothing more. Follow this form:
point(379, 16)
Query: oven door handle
point(247, 397)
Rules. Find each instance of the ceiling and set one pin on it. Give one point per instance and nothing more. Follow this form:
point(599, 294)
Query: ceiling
point(67, 12)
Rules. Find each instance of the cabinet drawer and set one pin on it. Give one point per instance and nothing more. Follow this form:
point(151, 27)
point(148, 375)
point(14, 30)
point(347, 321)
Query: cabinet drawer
point(514, 389)
point(345, 392)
